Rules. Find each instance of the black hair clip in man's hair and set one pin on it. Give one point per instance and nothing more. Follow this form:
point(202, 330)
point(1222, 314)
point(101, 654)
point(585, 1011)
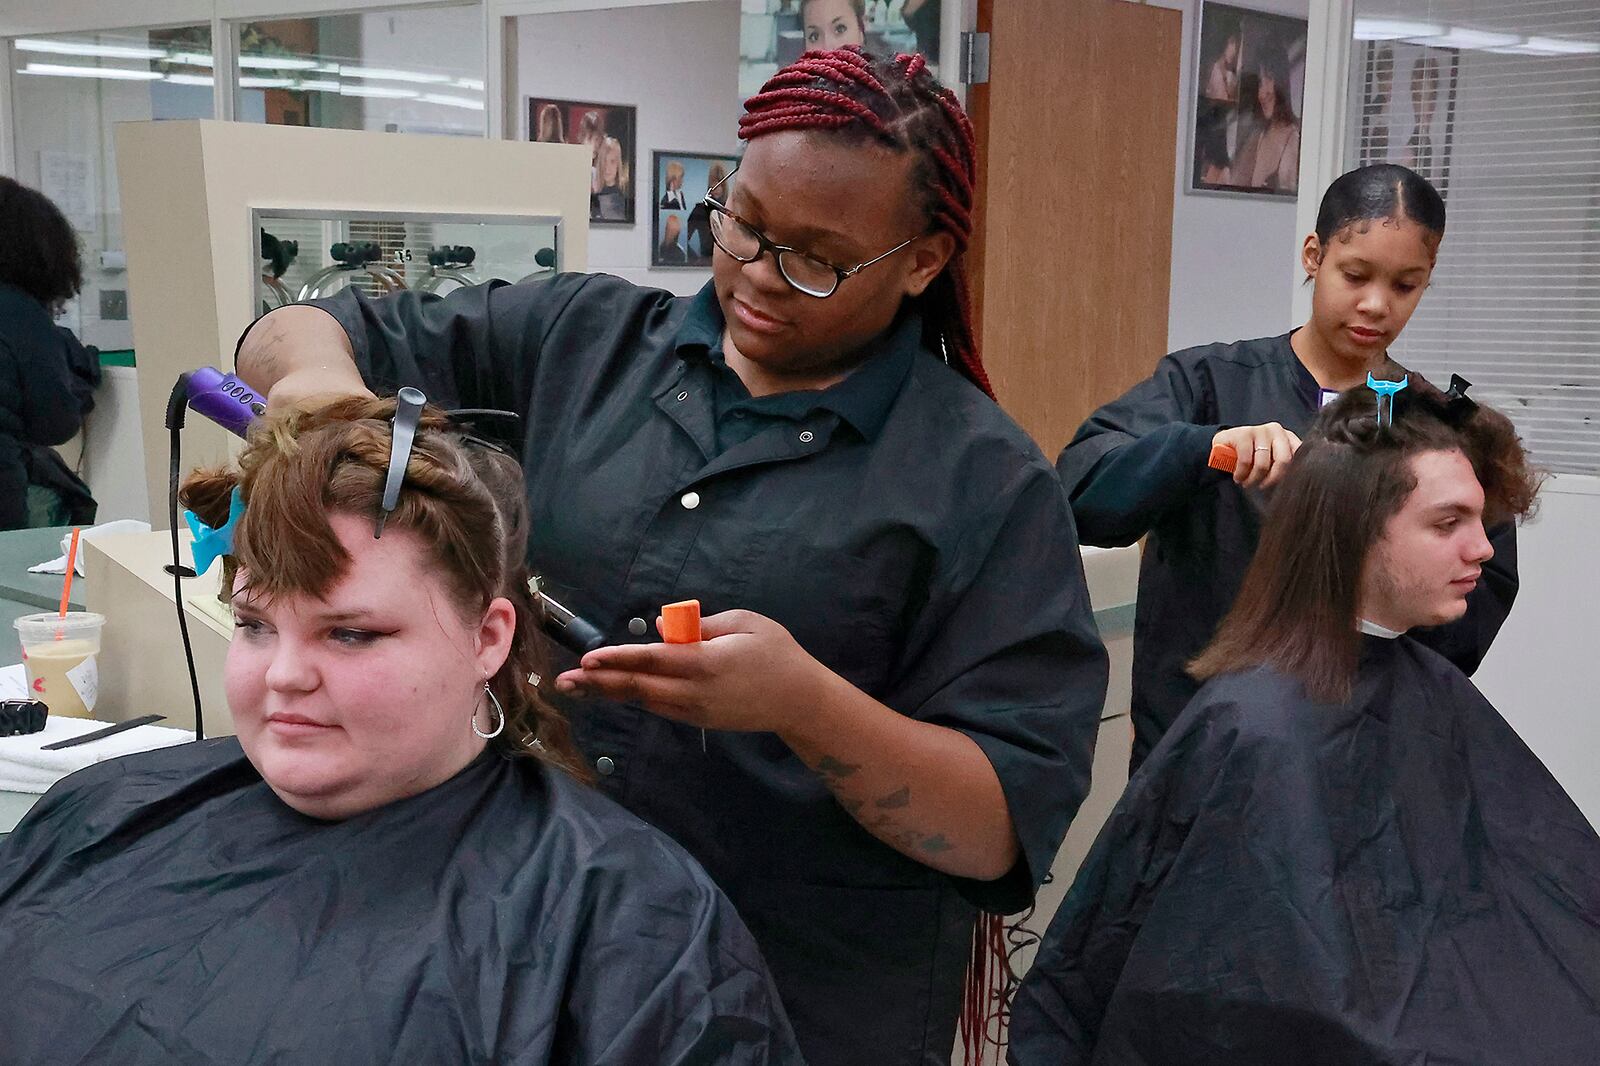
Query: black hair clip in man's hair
point(1458, 406)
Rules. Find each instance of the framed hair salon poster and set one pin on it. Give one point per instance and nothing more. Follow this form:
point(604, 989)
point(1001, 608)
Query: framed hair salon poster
point(1248, 99)
point(608, 130)
point(680, 224)
point(774, 33)
point(1407, 95)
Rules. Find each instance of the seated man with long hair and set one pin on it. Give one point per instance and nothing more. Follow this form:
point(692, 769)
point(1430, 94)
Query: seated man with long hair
point(393, 861)
point(1340, 852)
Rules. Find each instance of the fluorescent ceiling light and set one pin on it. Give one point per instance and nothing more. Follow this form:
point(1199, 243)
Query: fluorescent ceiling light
point(190, 59)
point(266, 83)
point(382, 91)
point(475, 84)
point(75, 48)
point(466, 102)
point(110, 73)
point(389, 74)
point(1368, 29)
point(1551, 46)
point(1462, 37)
point(189, 79)
point(317, 85)
point(275, 63)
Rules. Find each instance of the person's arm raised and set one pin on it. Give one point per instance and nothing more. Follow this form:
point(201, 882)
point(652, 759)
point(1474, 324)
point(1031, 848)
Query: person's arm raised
point(299, 354)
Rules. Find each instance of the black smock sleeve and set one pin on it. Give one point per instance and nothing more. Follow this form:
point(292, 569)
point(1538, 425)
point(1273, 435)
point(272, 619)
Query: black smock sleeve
point(1017, 665)
point(53, 398)
point(1466, 640)
point(668, 974)
point(478, 346)
point(1138, 457)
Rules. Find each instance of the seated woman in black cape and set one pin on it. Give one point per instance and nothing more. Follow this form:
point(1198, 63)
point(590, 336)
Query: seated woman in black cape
point(1340, 853)
point(392, 862)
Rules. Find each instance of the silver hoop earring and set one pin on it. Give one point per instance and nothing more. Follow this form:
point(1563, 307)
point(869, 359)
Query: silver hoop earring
point(500, 713)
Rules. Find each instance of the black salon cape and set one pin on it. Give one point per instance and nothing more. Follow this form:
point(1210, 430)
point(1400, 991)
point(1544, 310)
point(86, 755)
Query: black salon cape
point(1138, 466)
point(1393, 880)
point(908, 534)
point(169, 908)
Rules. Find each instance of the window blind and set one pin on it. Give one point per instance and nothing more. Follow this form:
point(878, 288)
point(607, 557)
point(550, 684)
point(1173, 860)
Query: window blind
point(1497, 102)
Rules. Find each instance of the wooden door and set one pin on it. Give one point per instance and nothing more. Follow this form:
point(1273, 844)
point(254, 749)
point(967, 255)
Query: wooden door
point(1077, 135)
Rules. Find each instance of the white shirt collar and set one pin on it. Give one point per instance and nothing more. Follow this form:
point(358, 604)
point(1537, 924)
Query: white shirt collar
point(1374, 629)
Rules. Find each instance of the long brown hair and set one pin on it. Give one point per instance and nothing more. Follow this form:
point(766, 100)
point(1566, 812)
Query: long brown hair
point(1297, 609)
point(467, 503)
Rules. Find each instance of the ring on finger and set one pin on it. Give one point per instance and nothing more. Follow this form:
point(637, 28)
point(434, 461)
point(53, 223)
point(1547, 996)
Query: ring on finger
point(1262, 448)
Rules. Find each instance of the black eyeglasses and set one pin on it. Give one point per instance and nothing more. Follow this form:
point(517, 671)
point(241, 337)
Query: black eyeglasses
point(810, 275)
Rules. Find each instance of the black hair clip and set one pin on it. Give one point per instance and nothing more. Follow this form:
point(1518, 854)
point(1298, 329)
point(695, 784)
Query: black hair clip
point(1458, 406)
point(19, 718)
point(467, 419)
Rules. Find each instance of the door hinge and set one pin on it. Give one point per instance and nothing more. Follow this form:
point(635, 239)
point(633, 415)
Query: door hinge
point(974, 58)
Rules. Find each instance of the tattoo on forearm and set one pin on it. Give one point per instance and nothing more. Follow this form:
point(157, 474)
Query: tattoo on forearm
point(885, 826)
point(834, 770)
point(895, 800)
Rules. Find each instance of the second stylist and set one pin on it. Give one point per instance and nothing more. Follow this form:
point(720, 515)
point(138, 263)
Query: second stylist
point(890, 722)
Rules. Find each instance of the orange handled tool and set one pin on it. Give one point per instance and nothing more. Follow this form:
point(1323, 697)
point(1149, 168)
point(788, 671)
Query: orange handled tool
point(680, 622)
point(1224, 458)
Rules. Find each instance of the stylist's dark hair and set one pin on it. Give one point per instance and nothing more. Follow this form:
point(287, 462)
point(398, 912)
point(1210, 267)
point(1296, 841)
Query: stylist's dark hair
point(899, 104)
point(1297, 611)
point(466, 502)
point(1377, 193)
point(38, 248)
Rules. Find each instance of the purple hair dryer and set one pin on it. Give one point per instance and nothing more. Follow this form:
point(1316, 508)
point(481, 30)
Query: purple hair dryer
point(224, 399)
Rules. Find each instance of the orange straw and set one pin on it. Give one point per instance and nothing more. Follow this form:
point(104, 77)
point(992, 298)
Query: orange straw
point(72, 562)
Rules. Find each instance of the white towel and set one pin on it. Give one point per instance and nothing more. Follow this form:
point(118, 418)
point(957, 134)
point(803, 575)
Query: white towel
point(59, 565)
point(24, 767)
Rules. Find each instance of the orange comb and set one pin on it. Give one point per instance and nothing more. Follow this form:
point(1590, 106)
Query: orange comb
point(680, 622)
point(1224, 458)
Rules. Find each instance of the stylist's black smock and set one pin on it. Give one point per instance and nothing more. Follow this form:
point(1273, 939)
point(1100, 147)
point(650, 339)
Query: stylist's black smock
point(1138, 466)
point(47, 382)
point(907, 533)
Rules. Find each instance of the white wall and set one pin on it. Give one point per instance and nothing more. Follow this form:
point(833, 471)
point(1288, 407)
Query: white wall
point(678, 63)
point(1233, 258)
point(1539, 674)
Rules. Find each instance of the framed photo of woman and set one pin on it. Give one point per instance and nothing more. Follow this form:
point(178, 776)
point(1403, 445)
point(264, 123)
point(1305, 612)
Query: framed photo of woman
point(608, 130)
point(1248, 98)
point(680, 227)
point(1408, 107)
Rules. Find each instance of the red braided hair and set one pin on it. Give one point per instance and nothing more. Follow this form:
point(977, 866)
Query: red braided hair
point(899, 104)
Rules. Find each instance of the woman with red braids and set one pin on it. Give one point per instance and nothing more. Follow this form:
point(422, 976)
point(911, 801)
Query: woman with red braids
point(889, 722)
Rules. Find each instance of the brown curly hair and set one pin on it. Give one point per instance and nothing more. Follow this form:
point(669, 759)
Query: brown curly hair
point(1297, 608)
point(466, 501)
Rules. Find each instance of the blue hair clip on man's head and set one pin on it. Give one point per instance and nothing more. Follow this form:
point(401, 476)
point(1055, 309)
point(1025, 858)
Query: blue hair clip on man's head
point(1386, 391)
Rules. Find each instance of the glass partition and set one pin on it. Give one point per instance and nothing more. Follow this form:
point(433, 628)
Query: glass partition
point(307, 254)
point(412, 70)
point(68, 91)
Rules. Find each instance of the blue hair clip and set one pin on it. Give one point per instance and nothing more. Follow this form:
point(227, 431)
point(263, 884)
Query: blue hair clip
point(1386, 390)
point(211, 544)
